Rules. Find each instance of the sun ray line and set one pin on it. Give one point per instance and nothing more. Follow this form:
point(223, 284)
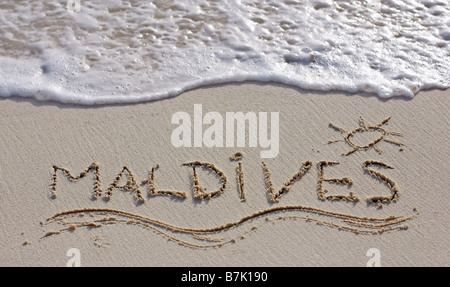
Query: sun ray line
point(362, 124)
point(385, 121)
point(337, 128)
point(334, 141)
point(393, 142)
point(350, 152)
point(378, 150)
point(395, 134)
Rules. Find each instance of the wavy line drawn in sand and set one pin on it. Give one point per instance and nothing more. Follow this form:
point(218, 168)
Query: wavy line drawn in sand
point(219, 236)
point(365, 128)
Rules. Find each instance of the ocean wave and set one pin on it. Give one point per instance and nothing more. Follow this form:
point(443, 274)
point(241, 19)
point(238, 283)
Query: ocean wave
point(132, 51)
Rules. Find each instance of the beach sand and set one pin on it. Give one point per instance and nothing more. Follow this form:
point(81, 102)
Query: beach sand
point(165, 230)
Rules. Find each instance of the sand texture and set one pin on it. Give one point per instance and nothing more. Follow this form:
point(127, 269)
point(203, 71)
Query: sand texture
point(353, 172)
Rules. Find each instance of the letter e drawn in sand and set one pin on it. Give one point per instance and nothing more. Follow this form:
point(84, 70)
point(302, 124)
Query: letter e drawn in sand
point(321, 191)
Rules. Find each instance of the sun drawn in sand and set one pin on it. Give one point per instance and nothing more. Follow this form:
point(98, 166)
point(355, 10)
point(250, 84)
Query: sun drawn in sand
point(379, 131)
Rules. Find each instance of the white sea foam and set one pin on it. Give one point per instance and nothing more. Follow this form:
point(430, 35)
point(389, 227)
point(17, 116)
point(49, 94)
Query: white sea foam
point(129, 51)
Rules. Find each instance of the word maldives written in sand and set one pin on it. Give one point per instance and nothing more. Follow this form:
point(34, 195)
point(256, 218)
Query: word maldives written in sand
point(130, 184)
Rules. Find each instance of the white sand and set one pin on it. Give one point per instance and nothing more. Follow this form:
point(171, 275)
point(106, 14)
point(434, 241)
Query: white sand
point(35, 136)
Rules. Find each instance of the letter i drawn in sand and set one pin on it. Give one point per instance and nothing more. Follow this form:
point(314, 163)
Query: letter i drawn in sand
point(240, 174)
point(365, 128)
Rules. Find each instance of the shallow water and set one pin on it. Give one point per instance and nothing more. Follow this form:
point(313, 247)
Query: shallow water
point(130, 51)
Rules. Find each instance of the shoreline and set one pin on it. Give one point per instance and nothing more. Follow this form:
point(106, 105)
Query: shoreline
point(225, 84)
